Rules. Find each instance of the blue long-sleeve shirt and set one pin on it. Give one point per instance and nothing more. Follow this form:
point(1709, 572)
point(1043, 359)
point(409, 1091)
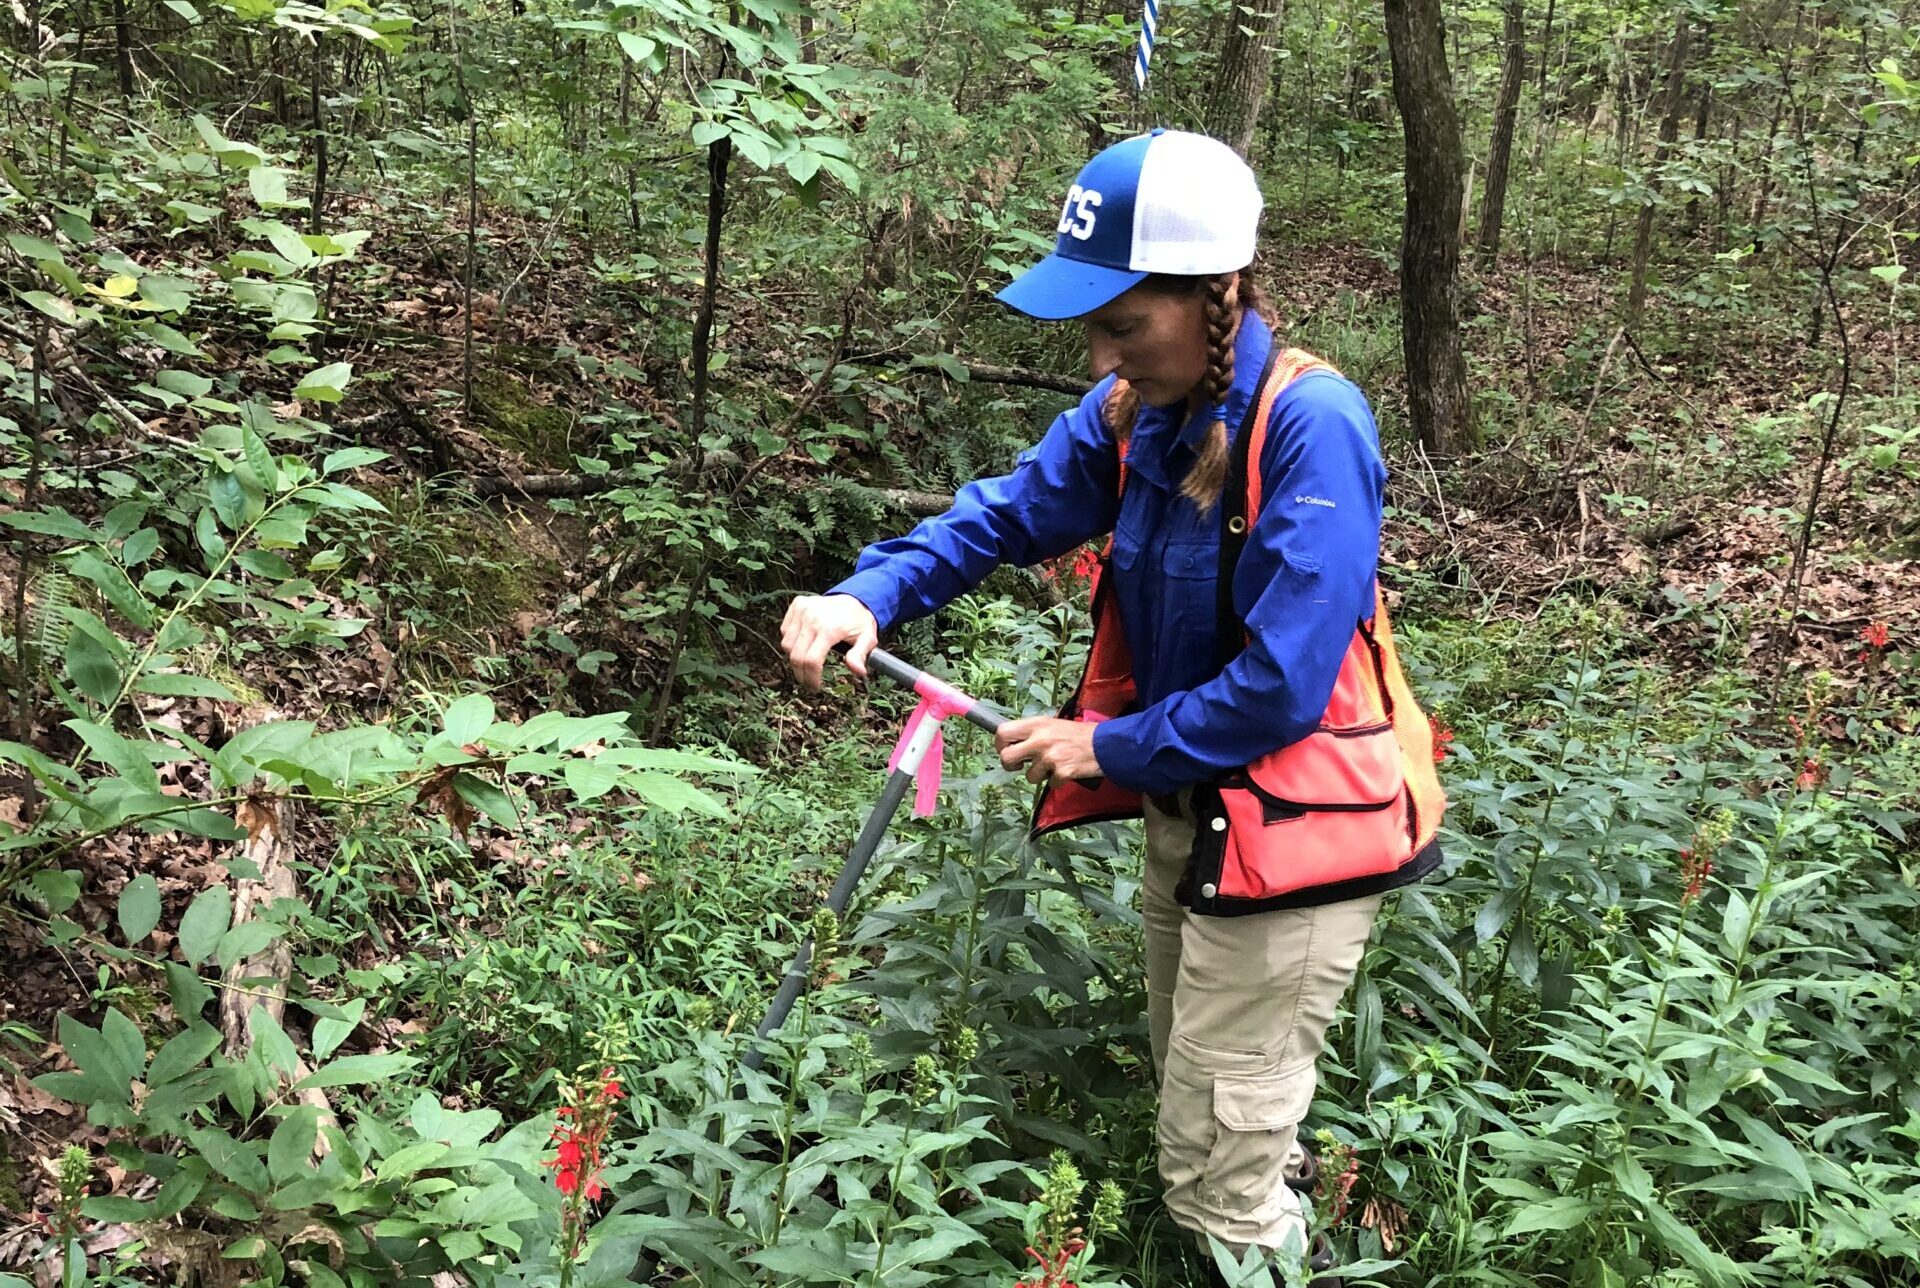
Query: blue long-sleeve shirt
point(1305, 575)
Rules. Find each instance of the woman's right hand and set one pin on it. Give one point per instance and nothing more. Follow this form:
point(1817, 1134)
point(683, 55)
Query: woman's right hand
point(815, 623)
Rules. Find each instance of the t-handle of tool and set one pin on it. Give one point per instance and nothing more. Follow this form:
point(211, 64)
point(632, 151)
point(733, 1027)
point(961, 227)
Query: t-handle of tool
point(881, 662)
point(928, 686)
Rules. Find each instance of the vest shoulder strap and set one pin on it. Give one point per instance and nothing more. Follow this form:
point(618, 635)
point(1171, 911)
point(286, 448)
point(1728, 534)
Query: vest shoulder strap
point(1240, 495)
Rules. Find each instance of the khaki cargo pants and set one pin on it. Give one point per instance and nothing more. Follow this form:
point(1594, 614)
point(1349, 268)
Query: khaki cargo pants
point(1238, 1009)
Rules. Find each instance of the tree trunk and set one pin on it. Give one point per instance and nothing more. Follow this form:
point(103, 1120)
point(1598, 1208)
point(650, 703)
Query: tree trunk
point(1430, 235)
point(1702, 120)
point(1244, 72)
point(719, 153)
point(1513, 74)
point(123, 49)
point(1669, 130)
point(317, 110)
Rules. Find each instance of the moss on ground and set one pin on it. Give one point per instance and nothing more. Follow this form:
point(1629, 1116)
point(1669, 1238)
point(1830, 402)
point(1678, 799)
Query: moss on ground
point(507, 413)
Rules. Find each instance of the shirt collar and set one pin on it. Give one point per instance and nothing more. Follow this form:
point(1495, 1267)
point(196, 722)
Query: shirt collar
point(1158, 428)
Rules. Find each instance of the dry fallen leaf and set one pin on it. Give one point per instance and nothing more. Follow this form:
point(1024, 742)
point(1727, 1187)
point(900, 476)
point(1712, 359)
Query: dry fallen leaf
point(257, 815)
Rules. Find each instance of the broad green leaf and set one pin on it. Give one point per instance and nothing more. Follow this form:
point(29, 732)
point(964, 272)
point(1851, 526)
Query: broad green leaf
point(588, 779)
point(1680, 1238)
point(140, 546)
point(206, 530)
point(59, 888)
point(355, 1070)
point(228, 493)
point(112, 582)
point(183, 1053)
point(168, 295)
point(110, 749)
point(204, 924)
point(174, 685)
point(487, 798)
point(169, 339)
point(673, 794)
point(187, 991)
point(188, 212)
point(268, 183)
point(259, 459)
point(348, 458)
point(244, 940)
point(91, 668)
point(329, 1032)
point(270, 1042)
point(468, 718)
point(231, 1159)
point(112, 1207)
point(325, 385)
point(1567, 1212)
point(265, 563)
point(102, 1063)
point(241, 156)
point(30, 247)
point(636, 46)
point(291, 1147)
point(129, 1048)
point(61, 311)
point(54, 522)
point(139, 908)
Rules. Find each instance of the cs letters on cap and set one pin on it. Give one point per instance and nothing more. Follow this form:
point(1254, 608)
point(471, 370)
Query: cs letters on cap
point(1076, 217)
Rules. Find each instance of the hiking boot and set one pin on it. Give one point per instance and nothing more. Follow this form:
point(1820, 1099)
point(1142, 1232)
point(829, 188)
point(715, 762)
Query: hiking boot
point(1302, 1179)
point(1322, 1259)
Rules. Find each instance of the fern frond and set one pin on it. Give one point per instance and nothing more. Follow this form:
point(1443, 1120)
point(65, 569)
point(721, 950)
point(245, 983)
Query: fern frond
point(49, 595)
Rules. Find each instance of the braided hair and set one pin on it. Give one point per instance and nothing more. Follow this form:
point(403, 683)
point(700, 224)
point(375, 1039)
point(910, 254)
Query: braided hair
point(1229, 296)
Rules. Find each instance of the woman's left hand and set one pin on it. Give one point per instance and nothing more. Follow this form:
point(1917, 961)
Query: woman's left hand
point(1052, 749)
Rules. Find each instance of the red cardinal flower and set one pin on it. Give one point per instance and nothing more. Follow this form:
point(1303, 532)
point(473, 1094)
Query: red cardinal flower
point(582, 1126)
point(1441, 737)
point(1875, 634)
point(1694, 871)
point(1812, 774)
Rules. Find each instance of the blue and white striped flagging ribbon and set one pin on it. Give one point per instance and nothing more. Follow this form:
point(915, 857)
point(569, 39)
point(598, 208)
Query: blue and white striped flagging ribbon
point(1149, 19)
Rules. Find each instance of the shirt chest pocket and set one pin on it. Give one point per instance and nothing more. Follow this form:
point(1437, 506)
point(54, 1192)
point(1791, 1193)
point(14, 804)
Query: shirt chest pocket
point(1188, 606)
point(1166, 562)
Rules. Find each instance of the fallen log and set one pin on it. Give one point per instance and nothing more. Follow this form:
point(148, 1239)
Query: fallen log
point(985, 373)
point(911, 501)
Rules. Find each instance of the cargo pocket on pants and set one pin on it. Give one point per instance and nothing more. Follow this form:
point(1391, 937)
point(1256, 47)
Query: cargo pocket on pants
point(1256, 1117)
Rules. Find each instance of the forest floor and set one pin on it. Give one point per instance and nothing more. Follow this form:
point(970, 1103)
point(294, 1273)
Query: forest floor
point(1653, 473)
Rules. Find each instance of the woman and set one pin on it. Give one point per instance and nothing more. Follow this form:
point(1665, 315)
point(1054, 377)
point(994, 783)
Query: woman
point(1242, 690)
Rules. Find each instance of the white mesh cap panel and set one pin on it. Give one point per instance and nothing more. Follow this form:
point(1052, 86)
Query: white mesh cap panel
point(1197, 208)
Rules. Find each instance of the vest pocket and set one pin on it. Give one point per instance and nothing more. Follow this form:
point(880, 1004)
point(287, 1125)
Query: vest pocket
point(1332, 807)
point(1354, 769)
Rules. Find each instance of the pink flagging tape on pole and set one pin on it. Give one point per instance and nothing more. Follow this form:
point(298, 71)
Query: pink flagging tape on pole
point(938, 701)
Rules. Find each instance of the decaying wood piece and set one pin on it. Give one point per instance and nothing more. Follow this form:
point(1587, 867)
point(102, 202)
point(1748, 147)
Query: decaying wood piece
point(261, 980)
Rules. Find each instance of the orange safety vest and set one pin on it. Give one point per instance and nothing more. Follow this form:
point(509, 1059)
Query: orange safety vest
point(1349, 810)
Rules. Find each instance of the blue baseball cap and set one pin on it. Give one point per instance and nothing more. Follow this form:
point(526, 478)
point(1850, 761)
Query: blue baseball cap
point(1164, 202)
